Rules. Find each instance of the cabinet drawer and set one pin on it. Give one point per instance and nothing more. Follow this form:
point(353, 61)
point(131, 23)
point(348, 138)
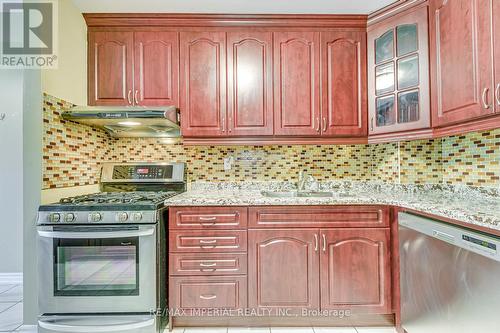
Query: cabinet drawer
point(318, 217)
point(208, 241)
point(208, 264)
point(208, 217)
point(208, 292)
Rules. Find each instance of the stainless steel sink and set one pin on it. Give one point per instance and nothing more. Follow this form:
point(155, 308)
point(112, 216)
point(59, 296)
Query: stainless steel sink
point(296, 194)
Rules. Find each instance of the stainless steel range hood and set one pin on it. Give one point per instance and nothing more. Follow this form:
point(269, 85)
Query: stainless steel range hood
point(127, 122)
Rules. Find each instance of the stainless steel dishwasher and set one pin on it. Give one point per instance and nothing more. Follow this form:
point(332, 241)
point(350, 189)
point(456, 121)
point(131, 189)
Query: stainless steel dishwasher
point(450, 278)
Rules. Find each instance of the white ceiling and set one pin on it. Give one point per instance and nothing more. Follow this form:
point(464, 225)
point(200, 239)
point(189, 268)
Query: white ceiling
point(232, 6)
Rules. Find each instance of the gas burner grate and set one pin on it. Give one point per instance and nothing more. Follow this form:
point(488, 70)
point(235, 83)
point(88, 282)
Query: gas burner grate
point(118, 198)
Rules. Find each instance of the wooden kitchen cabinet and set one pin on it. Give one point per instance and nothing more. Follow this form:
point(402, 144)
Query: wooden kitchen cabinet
point(203, 84)
point(355, 270)
point(110, 71)
point(344, 105)
point(133, 68)
point(461, 60)
point(398, 74)
point(496, 52)
point(156, 68)
point(318, 216)
point(297, 83)
point(200, 292)
point(250, 83)
point(283, 269)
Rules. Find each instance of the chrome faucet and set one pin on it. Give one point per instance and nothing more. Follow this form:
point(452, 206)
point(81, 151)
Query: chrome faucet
point(304, 180)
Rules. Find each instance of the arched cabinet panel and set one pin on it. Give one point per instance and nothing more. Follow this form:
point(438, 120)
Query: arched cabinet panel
point(344, 108)
point(110, 68)
point(203, 83)
point(296, 80)
point(283, 269)
point(355, 270)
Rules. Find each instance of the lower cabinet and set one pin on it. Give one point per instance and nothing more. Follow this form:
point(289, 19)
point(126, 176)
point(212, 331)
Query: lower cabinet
point(343, 268)
point(204, 292)
point(283, 269)
point(355, 270)
point(307, 262)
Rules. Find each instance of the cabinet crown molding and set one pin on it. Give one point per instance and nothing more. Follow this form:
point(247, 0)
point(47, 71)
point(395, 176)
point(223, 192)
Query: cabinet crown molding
point(224, 20)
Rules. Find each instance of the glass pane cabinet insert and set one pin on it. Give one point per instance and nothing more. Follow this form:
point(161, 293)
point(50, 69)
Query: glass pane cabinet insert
point(398, 72)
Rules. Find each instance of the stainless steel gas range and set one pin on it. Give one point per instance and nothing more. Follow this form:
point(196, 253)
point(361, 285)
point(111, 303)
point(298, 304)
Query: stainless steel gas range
point(102, 257)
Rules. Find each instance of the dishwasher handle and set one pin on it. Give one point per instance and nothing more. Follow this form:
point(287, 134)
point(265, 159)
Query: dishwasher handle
point(443, 236)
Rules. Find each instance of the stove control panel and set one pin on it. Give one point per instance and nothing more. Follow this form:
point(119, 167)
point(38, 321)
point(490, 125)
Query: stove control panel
point(127, 172)
point(92, 217)
point(143, 173)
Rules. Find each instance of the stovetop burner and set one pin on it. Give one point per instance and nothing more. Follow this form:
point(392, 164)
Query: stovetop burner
point(104, 198)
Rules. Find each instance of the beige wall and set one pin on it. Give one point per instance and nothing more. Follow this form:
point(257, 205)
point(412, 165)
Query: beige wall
point(69, 81)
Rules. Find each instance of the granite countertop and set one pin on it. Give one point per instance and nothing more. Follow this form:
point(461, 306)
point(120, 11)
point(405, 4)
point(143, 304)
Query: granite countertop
point(474, 205)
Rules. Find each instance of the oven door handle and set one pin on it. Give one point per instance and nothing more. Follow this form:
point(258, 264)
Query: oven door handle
point(94, 328)
point(96, 234)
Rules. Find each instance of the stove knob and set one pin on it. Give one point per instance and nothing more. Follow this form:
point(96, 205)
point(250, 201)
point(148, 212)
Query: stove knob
point(54, 217)
point(95, 217)
point(136, 217)
point(70, 217)
point(122, 217)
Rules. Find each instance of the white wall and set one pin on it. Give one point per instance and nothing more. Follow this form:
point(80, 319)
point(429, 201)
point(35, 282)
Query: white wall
point(11, 171)
point(32, 187)
point(69, 81)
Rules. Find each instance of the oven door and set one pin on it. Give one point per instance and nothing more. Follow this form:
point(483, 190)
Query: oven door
point(97, 269)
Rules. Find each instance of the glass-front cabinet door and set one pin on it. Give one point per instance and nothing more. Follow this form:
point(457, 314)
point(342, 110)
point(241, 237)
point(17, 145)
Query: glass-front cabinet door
point(398, 73)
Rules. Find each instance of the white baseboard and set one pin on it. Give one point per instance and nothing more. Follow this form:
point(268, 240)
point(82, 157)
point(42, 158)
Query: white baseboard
point(11, 278)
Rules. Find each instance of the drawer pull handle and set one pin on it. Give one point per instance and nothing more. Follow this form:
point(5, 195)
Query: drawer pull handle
point(208, 297)
point(208, 224)
point(212, 218)
point(213, 264)
point(324, 243)
point(212, 241)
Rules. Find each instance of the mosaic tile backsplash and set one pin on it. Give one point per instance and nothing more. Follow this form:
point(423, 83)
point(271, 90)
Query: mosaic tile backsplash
point(73, 154)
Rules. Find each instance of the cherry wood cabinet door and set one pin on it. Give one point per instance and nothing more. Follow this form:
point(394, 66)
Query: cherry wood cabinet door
point(283, 269)
point(203, 84)
point(296, 83)
point(250, 83)
point(156, 68)
point(496, 51)
point(110, 59)
point(355, 270)
point(461, 61)
point(343, 60)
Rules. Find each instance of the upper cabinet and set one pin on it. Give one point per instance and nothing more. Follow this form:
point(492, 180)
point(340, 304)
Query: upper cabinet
point(250, 83)
point(133, 68)
point(496, 52)
point(296, 83)
point(156, 68)
point(344, 104)
point(398, 73)
point(461, 59)
point(110, 69)
point(203, 83)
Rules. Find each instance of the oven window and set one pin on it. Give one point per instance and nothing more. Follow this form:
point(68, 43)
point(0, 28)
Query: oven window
point(96, 267)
